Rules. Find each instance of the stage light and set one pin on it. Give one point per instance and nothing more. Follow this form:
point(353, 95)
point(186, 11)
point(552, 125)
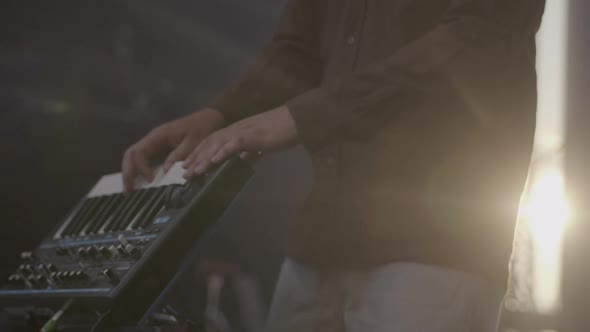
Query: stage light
point(544, 206)
point(546, 211)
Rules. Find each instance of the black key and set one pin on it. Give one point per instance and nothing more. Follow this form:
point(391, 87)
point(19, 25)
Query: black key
point(114, 218)
point(102, 214)
point(132, 211)
point(81, 217)
point(140, 220)
point(108, 211)
point(102, 202)
point(155, 209)
point(124, 216)
point(76, 217)
point(111, 215)
point(85, 218)
point(138, 206)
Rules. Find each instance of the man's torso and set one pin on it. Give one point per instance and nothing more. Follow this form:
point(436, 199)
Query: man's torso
point(424, 185)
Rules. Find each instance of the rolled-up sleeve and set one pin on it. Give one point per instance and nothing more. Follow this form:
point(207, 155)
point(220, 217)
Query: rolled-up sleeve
point(288, 66)
point(474, 38)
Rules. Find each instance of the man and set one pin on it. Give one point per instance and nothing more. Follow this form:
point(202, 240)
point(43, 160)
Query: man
point(419, 116)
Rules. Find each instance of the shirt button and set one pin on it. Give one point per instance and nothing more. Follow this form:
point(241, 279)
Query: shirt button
point(351, 40)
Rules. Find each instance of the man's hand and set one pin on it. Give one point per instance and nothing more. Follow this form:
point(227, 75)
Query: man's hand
point(264, 132)
point(176, 138)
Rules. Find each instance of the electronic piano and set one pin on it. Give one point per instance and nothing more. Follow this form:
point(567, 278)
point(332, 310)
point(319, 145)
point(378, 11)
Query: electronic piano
point(116, 251)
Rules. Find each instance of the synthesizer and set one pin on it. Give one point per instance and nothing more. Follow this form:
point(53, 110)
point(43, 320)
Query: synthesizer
point(118, 250)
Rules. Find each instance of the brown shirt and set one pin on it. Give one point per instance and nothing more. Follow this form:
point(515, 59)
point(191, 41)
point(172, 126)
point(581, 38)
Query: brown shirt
point(419, 116)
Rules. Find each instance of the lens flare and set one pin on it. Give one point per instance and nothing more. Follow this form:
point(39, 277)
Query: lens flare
point(545, 209)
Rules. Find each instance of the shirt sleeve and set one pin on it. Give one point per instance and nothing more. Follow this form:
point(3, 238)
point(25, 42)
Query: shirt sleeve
point(473, 42)
point(288, 66)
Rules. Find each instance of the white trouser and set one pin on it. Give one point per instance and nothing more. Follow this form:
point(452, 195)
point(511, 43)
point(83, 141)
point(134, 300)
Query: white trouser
point(396, 297)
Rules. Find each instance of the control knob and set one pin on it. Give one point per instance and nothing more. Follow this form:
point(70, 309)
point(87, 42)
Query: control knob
point(110, 276)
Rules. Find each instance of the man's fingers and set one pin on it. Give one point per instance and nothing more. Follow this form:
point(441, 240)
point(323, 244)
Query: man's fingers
point(212, 143)
point(196, 168)
point(179, 153)
point(191, 158)
point(128, 171)
point(199, 162)
point(142, 165)
point(135, 162)
point(247, 155)
point(230, 149)
point(214, 149)
point(201, 158)
point(215, 154)
point(202, 168)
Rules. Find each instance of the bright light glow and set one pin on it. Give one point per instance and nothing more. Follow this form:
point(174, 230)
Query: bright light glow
point(544, 207)
point(546, 211)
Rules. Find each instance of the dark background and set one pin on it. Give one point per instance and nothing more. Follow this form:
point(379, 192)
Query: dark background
point(82, 80)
